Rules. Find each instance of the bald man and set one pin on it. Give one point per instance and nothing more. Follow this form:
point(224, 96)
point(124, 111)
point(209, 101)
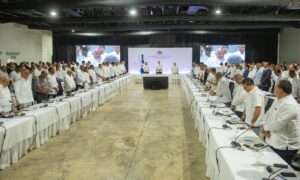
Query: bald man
point(23, 90)
point(5, 96)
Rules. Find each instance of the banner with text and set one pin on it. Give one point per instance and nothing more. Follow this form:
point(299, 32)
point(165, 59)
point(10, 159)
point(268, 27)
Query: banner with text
point(137, 57)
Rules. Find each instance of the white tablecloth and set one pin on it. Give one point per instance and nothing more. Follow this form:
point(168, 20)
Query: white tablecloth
point(173, 78)
point(49, 121)
point(232, 163)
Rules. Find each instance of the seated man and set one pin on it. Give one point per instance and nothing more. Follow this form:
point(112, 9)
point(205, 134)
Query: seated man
point(222, 91)
point(23, 90)
point(41, 87)
point(282, 123)
point(5, 96)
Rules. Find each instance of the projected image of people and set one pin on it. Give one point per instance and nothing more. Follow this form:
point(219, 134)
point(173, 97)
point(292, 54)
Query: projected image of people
point(97, 54)
point(214, 55)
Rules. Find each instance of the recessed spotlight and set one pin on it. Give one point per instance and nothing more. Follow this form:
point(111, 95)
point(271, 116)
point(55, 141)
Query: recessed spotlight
point(53, 13)
point(132, 12)
point(73, 30)
point(218, 11)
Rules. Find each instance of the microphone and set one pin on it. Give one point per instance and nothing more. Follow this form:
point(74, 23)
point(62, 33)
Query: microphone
point(225, 126)
point(236, 144)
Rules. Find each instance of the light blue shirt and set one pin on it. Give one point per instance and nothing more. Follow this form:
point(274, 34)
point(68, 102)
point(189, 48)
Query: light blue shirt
point(258, 76)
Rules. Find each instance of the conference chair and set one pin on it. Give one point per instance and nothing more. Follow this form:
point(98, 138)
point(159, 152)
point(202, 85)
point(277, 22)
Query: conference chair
point(268, 104)
point(296, 162)
point(231, 88)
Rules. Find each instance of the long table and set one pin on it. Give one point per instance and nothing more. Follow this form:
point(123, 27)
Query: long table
point(38, 125)
point(173, 78)
point(223, 161)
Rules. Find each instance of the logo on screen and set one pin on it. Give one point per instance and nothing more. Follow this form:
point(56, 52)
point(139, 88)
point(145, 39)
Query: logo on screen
point(159, 52)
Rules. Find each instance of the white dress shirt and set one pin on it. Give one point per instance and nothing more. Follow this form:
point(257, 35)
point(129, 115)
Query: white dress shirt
point(93, 75)
point(196, 71)
point(283, 122)
point(239, 98)
point(295, 87)
point(37, 73)
point(59, 74)
point(159, 68)
point(80, 79)
point(232, 72)
point(255, 98)
point(4, 74)
point(69, 83)
point(222, 91)
point(146, 68)
point(14, 76)
point(174, 69)
point(252, 73)
point(87, 79)
point(23, 91)
point(106, 72)
point(5, 99)
point(52, 83)
point(211, 81)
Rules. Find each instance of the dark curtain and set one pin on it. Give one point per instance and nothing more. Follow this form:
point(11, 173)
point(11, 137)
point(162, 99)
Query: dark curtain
point(260, 45)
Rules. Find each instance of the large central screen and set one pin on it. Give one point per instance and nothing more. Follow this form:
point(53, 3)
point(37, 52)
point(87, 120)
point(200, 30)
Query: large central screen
point(97, 54)
point(167, 56)
point(214, 55)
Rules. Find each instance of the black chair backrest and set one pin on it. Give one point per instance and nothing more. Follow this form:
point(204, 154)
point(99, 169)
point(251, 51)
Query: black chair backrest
point(269, 104)
point(231, 88)
point(296, 162)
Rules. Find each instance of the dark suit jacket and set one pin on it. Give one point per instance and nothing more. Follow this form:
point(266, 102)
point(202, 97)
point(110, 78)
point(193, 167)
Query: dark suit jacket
point(266, 78)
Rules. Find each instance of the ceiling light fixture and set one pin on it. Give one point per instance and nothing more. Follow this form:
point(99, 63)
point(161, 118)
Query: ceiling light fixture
point(132, 12)
point(53, 13)
point(218, 11)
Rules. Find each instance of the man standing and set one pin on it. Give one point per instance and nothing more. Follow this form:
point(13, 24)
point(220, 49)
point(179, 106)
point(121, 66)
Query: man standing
point(3, 72)
point(23, 90)
point(41, 87)
point(52, 83)
point(159, 68)
point(295, 81)
point(174, 68)
point(254, 106)
point(5, 96)
point(69, 82)
point(258, 74)
point(222, 90)
point(265, 81)
point(282, 123)
point(146, 68)
point(238, 104)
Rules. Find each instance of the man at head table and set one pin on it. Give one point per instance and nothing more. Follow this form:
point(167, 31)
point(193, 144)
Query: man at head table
point(146, 68)
point(159, 68)
point(5, 96)
point(282, 123)
point(174, 68)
